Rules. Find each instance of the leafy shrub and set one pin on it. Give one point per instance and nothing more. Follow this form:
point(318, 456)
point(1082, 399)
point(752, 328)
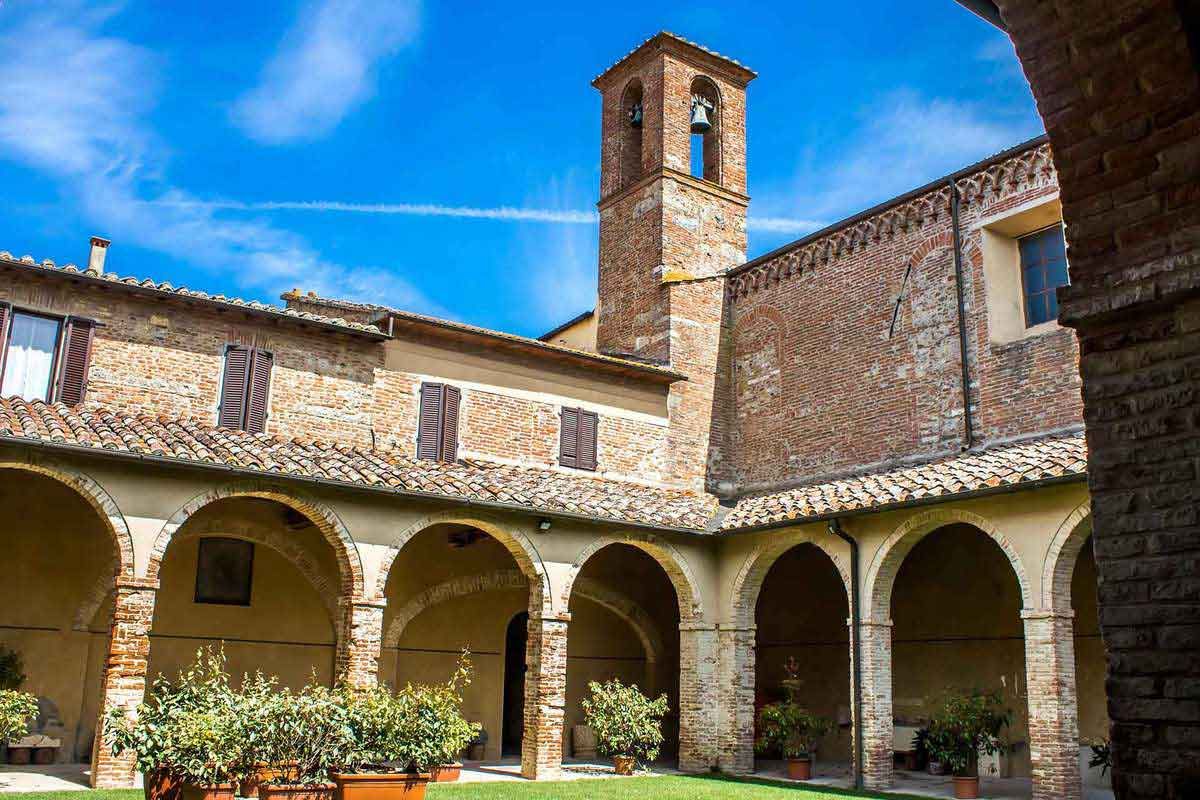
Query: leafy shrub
point(189, 726)
point(303, 735)
point(967, 725)
point(416, 728)
point(12, 669)
point(626, 722)
point(16, 709)
point(788, 728)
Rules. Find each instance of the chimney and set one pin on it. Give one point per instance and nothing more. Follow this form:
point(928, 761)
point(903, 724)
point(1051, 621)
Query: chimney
point(96, 257)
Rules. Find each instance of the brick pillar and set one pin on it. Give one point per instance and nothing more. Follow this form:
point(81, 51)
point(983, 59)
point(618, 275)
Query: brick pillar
point(545, 696)
point(699, 693)
point(1053, 715)
point(877, 727)
point(737, 654)
point(359, 642)
point(124, 679)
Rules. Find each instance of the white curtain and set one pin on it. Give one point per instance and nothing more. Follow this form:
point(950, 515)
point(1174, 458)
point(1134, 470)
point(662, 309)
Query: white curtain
point(30, 357)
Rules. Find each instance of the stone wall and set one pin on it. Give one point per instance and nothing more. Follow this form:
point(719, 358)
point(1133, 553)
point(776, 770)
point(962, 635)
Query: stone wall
point(845, 349)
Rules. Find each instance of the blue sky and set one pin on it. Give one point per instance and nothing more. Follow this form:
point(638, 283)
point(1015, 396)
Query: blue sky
point(445, 155)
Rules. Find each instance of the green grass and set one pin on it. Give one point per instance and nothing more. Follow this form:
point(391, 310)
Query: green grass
point(714, 787)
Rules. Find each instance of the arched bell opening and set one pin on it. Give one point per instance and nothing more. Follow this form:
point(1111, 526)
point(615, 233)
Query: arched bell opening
point(631, 122)
point(704, 125)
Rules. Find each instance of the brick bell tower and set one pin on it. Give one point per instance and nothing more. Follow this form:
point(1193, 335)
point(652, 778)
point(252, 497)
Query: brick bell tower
point(672, 223)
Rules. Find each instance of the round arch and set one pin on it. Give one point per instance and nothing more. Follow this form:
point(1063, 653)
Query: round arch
point(523, 551)
point(323, 518)
point(687, 590)
point(95, 496)
point(749, 581)
point(1061, 555)
point(623, 607)
point(881, 574)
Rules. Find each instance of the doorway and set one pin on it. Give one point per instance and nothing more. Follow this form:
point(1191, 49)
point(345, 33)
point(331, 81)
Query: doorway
point(514, 684)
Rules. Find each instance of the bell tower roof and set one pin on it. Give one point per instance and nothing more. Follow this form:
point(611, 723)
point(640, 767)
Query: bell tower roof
point(685, 50)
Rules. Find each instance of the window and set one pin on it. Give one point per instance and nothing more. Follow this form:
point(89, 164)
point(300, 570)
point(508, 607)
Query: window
point(31, 349)
point(437, 428)
point(224, 571)
point(1043, 269)
point(577, 439)
point(245, 388)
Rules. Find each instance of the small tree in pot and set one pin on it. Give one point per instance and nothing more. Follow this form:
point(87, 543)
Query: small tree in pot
point(628, 724)
point(789, 729)
point(967, 725)
point(16, 709)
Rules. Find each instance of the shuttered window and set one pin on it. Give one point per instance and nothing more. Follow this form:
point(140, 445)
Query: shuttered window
point(437, 428)
point(76, 359)
point(577, 439)
point(245, 388)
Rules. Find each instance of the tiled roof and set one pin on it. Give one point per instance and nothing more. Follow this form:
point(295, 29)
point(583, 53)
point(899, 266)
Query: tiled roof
point(188, 441)
point(622, 362)
point(163, 287)
point(668, 35)
point(1049, 458)
point(536, 489)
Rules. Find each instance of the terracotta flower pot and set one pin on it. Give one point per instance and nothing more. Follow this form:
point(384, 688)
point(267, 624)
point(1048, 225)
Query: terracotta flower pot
point(160, 784)
point(19, 755)
point(216, 791)
point(44, 755)
point(966, 788)
point(799, 769)
point(445, 773)
point(381, 786)
point(296, 791)
point(623, 765)
point(266, 774)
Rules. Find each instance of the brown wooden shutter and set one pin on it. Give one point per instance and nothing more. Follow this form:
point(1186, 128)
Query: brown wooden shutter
point(5, 313)
point(76, 358)
point(449, 444)
point(568, 437)
point(429, 425)
point(259, 389)
point(586, 447)
point(233, 387)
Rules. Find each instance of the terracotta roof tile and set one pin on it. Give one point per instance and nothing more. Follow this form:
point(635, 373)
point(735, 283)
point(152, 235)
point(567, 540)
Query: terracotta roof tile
point(534, 489)
point(164, 287)
point(1030, 461)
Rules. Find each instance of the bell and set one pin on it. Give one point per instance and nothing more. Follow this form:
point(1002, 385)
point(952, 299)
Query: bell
point(700, 123)
point(635, 115)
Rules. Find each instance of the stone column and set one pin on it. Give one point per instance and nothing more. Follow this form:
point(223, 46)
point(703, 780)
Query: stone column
point(545, 696)
point(699, 694)
point(737, 660)
point(877, 724)
point(124, 679)
point(1053, 711)
point(359, 642)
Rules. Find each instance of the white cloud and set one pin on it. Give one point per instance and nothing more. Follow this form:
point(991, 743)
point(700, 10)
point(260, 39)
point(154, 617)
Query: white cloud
point(74, 108)
point(325, 67)
point(560, 271)
point(906, 140)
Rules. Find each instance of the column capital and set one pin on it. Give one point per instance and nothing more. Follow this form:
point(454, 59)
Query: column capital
point(697, 625)
point(733, 627)
point(550, 616)
point(362, 602)
point(138, 584)
point(874, 623)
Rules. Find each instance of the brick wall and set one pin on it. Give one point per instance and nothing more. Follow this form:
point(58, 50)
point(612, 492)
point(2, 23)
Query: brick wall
point(821, 382)
point(1117, 86)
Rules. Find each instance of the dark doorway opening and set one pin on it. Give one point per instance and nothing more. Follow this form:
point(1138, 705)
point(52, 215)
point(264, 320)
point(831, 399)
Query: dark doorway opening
point(514, 684)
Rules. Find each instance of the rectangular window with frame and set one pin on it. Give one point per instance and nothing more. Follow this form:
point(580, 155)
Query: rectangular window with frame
point(577, 439)
point(437, 426)
point(44, 357)
point(1043, 270)
point(245, 388)
point(224, 571)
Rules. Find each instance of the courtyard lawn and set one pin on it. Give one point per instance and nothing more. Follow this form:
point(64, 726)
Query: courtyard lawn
point(656, 788)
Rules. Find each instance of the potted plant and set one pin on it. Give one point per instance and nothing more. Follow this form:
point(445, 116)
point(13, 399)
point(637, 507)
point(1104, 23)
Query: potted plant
point(628, 724)
point(300, 739)
point(788, 728)
point(166, 732)
point(967, 725)
point(16, 709)
point(400, 737)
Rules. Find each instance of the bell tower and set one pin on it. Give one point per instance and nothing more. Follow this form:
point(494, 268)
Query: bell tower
point(672, 223)
point(672, 186)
